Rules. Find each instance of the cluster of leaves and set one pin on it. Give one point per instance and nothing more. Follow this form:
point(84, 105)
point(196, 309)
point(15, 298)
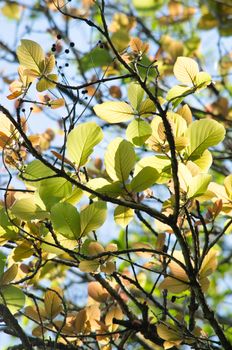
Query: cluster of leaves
point(126, 193)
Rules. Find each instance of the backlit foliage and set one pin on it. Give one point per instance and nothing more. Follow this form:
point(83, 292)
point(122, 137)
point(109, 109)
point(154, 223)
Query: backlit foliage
point(116, 186)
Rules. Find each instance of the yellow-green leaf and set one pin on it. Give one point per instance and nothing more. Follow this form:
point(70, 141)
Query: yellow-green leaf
point(123, 215)
point(198, 185)
point(12, 297)
point(177, 93)
point(138, 132)
point(31, 55)
point(135, 95)
point(228, 185)
point(27, 209)
point(114, 112)
point(203, 134)
point(144, 179)
point(66, 220)
point(9, 275)
point(119, 159)
point(89, 265)
point(202, 80)
point(47, 82)
point(93, 217)
point(81, 141)
point(146, 108)
point(185, 70)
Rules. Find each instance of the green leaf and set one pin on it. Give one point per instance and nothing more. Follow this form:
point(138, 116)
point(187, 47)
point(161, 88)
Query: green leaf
point(123, 215)
point(144, 179)
point(114, 112)
point(203, 134)
point(74, 197)
point(27, 209)
point(81, 141)
point(31, 55)
point(138, 132)
point(185, 70)
point(66, 220)
point(202, 80)
point(146, 108)
point(135, 95)
point(9, 229)
point(177, 93)
point(44, 83)
point(120, 39)
point(2, 262)
point(228, 186)
point(179, 125)
point(89, 266)
point(160, 163)
point(204, 161)
point(198, 185)
point(13, 298)
point(119, 159)
point(53, 190)
point(103, 186)
point(53, 249)
point(36, 170)
point(93, 217)
point(96, 58)
point(147, 5)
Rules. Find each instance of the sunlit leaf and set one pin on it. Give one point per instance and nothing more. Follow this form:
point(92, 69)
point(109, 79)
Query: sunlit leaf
point(11, 10)
point(81, 141)
point(66, 220)
point(204, 162)
point(203, 134)
point(228, 185)
point(138, 132)
point(114, 112)
point(47, 82)
point(185, 113)
point(119, 159)
point(2, 262)
point(27, 209)
point(177, 93)
point(146, 108)
point(185, 70)
point(31, 55)
point(123, 215)
point(9, 275)
point(36, 170)
point(135, 95)
point(13, 298)
point(202, 80)
point(144, 179)
point(115, 312)
point(198, 185)
point(53, 190)
point(93, 217)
